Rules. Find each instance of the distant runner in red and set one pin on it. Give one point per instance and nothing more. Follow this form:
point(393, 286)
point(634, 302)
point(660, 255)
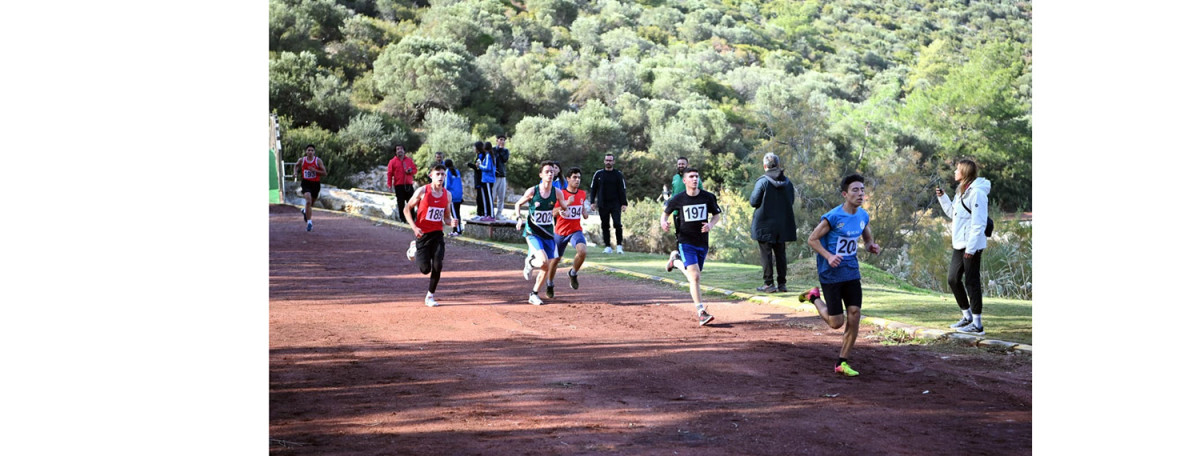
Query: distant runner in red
point(567, 229)
point(311, 169)
point(432, 203)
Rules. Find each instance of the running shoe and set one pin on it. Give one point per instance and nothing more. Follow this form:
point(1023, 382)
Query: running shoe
point(845, 369)
point(429, 301)
point(534, 299)
point(811, 295)
point(574, 279)
point(608, 250)
point(620, 250)
point(767, 289)
point(705, 318)
point(671, 261)
point(972, 329)
point(528, 266)
point(412, 250)
point(962, 323)
point(781, 289)
point(309, 228)
point(549, 291)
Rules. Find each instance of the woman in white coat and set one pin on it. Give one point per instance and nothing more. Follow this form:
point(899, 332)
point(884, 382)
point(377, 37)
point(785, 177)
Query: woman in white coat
point(969, 212)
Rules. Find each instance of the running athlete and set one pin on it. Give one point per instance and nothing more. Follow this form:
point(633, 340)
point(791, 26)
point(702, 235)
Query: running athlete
point(691, 230)
point(539, 228)
point(311, 169)
point(432, 203)
point(835, 239)
point(568, 231)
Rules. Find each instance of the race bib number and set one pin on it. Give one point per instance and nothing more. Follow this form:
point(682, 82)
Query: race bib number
point(310, 174)
point(846, 246)
point(572, 212)
point(435, 214)
point(695, 213)
point(543, 217)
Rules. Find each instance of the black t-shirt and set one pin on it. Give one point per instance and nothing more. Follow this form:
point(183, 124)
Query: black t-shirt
point(694, 212)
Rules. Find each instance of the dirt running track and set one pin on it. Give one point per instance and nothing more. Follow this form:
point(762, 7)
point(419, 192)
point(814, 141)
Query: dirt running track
point(358, 365)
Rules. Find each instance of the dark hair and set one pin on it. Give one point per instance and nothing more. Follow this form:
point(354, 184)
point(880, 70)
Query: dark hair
point(684, 159)
point(438, 167)
point(450, 169)
point(691, 170)
point(487, 145)
point(478, 146)
point(545, 163)
point(501, 136)
point(310, 145)
point(574, 170)
point(449, 163)
point(611, 155)
point(852, 179)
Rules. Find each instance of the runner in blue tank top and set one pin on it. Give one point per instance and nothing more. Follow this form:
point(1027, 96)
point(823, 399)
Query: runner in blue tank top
point(835, 239)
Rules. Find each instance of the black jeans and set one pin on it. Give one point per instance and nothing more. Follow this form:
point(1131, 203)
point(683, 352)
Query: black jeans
point(404, 192)
point(970, 296)
point(773, 254)
point(615, 214)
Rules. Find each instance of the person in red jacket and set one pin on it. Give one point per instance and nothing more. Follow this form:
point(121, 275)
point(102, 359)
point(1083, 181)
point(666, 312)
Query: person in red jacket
point(400, 173)
point(311, 169)
point(432, 203)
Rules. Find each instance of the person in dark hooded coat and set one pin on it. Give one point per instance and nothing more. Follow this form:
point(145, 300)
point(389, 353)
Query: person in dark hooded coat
point(774, 223)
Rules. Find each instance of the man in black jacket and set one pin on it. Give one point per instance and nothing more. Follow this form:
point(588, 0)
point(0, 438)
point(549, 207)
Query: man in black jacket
point(501, 188)
point(608, 193)
point(774, 224)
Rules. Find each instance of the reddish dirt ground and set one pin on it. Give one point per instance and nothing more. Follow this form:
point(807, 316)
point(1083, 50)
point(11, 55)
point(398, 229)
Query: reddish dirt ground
point(358, 365)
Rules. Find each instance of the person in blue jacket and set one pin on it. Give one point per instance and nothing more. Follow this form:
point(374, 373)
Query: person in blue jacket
point(454, 186)
point(485, 169)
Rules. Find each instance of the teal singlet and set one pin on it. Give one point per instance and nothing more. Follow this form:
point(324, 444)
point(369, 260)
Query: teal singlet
point(540, 221)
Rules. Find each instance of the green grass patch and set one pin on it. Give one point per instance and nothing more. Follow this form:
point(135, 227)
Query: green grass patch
point(884, 295)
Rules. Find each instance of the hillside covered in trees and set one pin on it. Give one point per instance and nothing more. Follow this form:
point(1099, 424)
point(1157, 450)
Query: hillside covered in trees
point(892, 89)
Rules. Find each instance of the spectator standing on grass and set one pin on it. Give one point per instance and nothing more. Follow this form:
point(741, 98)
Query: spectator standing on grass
point(608, 196)
point(835, 239)
point(695, 206)
point(455, 187)
point(485, 170)
point(400, 173)
point(774, 224)
point(311, 170)
point(969, 214)
point(501, 154)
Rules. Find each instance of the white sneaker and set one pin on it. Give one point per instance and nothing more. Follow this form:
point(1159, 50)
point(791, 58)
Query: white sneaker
point(429, 301)
point(412, 250)
point(534, 299)
point(620, 250)
point(528, 267)
point(309, 227)
point(608, 250)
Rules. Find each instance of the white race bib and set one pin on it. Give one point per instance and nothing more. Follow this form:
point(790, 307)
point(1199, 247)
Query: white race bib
point(846, 247)
point(695, 213)
point(572, 212)
point(310, 174)
point(435, 214)
point(543, 217)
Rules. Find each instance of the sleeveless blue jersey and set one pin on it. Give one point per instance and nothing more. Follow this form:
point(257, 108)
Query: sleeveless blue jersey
point(842, 239)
